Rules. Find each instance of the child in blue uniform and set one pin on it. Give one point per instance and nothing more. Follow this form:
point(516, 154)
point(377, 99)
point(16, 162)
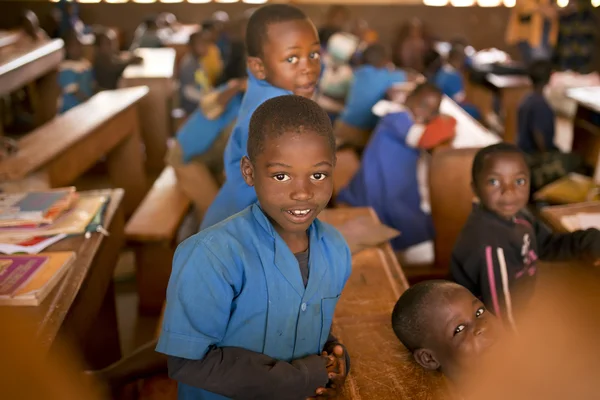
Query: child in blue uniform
point(371, 83)
point(283, 58)
point(75, 76)
point(251, 300)
point(388, 178)
point(450, 80)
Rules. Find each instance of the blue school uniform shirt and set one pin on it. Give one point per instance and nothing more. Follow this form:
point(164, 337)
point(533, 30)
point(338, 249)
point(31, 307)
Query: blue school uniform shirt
point(198, 133)
point(535, 115)
point(238, 284)
point(370, 85)
point(74, 76)
point(235, 194)
point(387, 180)
point(451, 83)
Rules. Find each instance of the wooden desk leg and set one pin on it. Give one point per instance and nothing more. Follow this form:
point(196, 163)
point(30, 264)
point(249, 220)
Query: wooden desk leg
point(126, 170)
point(511, 97)
point(47, 98)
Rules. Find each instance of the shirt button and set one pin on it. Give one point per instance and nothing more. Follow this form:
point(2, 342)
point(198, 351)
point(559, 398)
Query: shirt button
point(303, 307)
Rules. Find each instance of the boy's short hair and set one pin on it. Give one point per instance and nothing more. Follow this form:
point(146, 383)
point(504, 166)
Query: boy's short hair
point(284, 114)
point(208, 25)
point(195, 37)
point(375, 54)
point(539, 72)
point(456, 51)
point(498, 148)
point(256, 31)
point(410, 316)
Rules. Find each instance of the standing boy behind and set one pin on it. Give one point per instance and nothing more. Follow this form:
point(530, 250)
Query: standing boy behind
point(249, 315)
point(108, 63)
point(394, 162)
point(371, 83)
point(75, 75)
point(496, 253)
point(193, 80)
point(283, 58)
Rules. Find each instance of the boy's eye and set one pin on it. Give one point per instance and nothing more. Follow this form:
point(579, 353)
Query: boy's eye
point(493, 182)
point(459, 329)
point(319, 176)
point(292, 59)
point(480, 311)
point(281, 177)
point(315, 55)
point(521, 181)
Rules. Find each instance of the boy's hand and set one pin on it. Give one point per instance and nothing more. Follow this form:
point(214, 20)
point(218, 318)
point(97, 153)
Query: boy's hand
point(337, 372)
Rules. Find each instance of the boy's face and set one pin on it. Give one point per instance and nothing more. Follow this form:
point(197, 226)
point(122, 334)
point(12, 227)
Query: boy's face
point(464, 331)
point(292, 176)
point(427, 107)
point(291, 57)
point(503, 184)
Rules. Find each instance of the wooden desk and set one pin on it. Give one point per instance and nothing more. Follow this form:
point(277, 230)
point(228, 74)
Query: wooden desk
point(8, 39)
point(62, 150)
point(81, 309)
point(179, 40)
point(156, 72)
point(552, 215)
point(512, 88)
point(39, 62)
point(469, 132)
point(586, 132)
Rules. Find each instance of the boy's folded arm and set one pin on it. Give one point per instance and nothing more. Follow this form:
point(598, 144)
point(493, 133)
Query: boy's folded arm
point(332, 341)
point(243, 374)
point(567, 246)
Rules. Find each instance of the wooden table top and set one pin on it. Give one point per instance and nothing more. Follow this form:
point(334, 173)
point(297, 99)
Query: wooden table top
point(182, 35)
point(8, 38)
point(49, 141)
point(586, 96)
point(552, 215)
point(23, 64)
point(157, 63)
point(508, 81)
point(469, 132)
point(50, 315)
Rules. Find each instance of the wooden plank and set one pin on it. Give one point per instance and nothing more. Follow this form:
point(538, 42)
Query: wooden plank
point(27, 63)
point(586, 96)
point(48, 142)
point(469, 132)
point(156, 63)
point(160, 214)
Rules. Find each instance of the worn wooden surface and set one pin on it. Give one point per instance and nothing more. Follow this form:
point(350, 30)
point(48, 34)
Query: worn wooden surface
point(156, 72)
point(59, 152)
point(81, 309)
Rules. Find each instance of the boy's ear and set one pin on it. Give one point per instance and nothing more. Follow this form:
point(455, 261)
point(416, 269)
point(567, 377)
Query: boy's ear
point(247, 171)
point(426, 359)
point(257, 67)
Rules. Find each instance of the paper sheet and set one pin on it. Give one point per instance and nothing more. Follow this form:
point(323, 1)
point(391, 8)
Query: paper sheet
point(581, 221)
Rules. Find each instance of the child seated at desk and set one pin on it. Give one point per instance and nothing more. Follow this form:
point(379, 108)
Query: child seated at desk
point(496, 253)
point(251, 300)
point(75, 75)
point(148, 35)
point(444, 327)
point(284, 57)
point(371, 83)
point(212, 60)
point(392, 178)
point(108, 63)
point(193, 79)
point(450, 80)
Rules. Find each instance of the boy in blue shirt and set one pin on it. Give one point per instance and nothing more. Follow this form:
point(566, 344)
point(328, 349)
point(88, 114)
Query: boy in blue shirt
point(450, 80)
point(390, 178)
point(283, 58)
point(251, 300)
point(75, 76)
point(371, 83)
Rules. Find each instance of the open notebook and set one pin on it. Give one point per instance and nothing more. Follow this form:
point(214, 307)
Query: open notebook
point(581, 221)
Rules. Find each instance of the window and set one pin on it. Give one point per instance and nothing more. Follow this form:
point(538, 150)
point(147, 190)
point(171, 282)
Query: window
point(255, 1)
point(562, 3)
point(435, 3)
point(489, 3)
point(509, 3)
point(462, 3)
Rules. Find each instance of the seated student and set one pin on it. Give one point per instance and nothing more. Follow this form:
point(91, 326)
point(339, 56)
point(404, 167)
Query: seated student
point(75, 75)
point(392, 178)
point(371, 83)
point(193, 80)
point(495, 255)
point(148, 35)
point(450, 80)
point(108, 63)
point(30, 25)
point(212, 60)
point(283, 58)
point(444, 327)
point(249, 315)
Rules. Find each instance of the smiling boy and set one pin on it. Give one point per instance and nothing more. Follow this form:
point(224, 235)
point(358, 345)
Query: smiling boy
point(251, 300)
point(284, 57)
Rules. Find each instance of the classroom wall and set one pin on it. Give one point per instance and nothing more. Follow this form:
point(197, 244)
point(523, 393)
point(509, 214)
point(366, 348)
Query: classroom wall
point(484, 27)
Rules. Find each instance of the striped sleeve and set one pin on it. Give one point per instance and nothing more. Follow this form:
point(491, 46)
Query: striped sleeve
point(495, 284)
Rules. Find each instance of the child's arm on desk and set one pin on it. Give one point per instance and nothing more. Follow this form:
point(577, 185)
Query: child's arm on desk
point(567, 246)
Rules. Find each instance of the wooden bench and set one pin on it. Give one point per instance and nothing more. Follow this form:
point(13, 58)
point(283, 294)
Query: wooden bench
point(22, 65)
point(59, 152)
point(586, 133)
point(156, 72)
point(152, 230)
